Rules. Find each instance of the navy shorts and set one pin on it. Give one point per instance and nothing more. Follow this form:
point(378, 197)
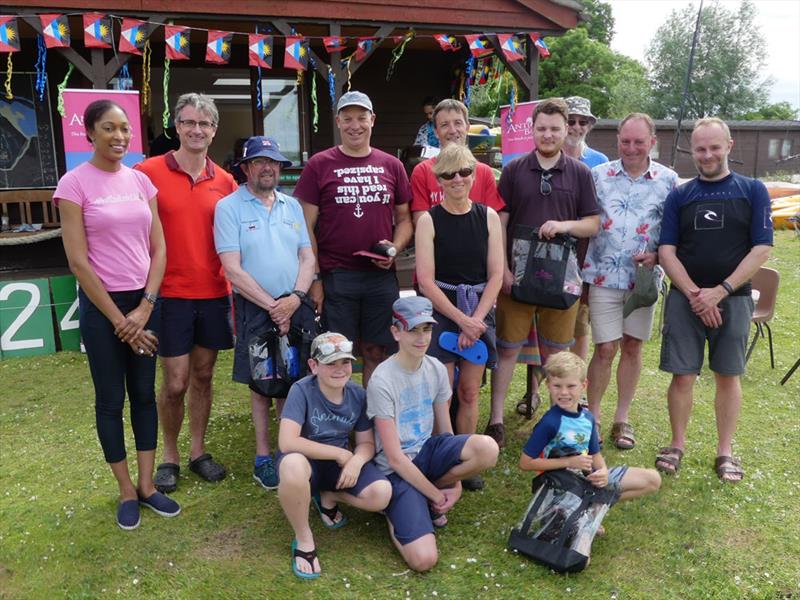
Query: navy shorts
point(325, 475)
point(444, 324)
point(358, 304)
point(683, 337)
point(253, 321)
point(409, 511)
point(186, 323)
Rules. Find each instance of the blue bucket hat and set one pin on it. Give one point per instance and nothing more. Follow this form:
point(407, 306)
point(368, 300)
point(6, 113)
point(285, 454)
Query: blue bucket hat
point(258, 145)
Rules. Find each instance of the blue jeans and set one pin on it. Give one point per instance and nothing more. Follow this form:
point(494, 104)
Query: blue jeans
point(115, 367)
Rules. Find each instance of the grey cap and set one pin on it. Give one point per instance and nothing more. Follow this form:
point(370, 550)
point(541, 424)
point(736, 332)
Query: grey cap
point(411, 311)
point(354, 99)
point(578, 105)
point(329, 347)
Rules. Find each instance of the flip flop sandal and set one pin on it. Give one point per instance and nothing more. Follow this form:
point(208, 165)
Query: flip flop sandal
point(669, 456)
point(207, 468)
point(622, 436)
point(166, 478)
point(729, 469)
point(331, 513)
point(309, 557)
point(439, 520)
point(535, 402)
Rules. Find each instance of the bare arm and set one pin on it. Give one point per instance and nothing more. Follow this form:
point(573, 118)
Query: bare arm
point(311, 214)
point(402, 465)
point(668, 259)
point(582, 228)
point(494, 265)
point(290, 440)
point(580, 461)
point(508, 276)
point(403, 226)
point(243, 281)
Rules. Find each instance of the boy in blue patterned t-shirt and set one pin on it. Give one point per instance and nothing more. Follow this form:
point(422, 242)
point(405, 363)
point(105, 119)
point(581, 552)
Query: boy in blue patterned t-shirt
point(566, 438)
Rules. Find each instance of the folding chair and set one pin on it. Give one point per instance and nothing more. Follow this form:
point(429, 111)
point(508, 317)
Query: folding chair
point(766, 281)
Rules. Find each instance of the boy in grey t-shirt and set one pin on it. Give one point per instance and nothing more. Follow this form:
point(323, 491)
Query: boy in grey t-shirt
point(321, 411)
point(416, 449)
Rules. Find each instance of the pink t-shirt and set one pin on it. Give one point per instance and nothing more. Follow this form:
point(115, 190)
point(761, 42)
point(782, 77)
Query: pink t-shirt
point(356, 199)
point(116, 219)
point(428, 193)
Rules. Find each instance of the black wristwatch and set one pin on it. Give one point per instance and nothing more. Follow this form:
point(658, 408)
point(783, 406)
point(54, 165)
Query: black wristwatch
point(727, 287)
point(299, 294)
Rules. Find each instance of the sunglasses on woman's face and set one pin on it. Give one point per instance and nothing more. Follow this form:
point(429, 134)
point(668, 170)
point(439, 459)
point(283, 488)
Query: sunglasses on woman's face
point(462, 172)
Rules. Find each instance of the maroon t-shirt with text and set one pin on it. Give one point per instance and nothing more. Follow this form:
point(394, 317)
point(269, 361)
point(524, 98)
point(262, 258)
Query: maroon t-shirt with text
point(356, 197)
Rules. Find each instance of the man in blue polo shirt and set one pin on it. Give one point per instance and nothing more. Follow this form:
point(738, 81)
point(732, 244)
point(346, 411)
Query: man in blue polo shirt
point(262, 241)
point(715, 234)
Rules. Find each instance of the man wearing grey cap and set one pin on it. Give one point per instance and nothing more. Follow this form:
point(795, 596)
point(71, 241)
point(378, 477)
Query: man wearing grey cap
point(352, 194)
point(414, 443)
point(263, 244)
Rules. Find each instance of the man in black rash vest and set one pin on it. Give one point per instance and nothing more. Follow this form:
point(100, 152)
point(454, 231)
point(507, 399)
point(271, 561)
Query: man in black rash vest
point(716, 233)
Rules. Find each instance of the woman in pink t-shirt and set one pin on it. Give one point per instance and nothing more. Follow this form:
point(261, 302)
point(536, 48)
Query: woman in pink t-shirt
point(115, 247)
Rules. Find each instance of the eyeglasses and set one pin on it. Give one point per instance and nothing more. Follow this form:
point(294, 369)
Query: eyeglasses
point(545, 187)
point(463, 172)
point(581, 122)
point(328, 348)
point(191, 124)
point(261, 162)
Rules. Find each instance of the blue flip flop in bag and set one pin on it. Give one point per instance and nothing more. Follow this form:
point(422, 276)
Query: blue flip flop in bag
point(477, 354)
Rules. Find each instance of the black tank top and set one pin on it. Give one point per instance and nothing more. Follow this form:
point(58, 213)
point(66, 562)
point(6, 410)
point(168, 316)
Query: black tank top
point(460, 245)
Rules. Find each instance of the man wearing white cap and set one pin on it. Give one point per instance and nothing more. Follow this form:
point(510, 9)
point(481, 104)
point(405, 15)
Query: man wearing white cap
point(355, 197)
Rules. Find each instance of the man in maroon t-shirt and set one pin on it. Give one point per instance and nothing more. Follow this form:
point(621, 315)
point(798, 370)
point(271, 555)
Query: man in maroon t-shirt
point(351, 194)
point(554, 192)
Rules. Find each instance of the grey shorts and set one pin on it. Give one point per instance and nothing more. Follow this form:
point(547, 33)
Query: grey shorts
point(684, 336)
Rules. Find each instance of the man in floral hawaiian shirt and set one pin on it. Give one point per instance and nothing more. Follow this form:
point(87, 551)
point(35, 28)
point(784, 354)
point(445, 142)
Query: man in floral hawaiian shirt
point(631, 192)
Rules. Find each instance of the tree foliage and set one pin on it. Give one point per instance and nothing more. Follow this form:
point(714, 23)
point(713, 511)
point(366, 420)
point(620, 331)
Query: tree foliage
point(598, 21)
point(726, 77)
point(779, 111)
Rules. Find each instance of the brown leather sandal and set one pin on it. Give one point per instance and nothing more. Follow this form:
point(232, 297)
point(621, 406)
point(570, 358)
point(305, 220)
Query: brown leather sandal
point(729, 469)
point(668, 460)
point(622, 436)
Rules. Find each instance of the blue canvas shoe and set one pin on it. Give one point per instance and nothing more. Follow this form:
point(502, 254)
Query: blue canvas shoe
point(128, 516)
point(161, 504)
point(266, 475)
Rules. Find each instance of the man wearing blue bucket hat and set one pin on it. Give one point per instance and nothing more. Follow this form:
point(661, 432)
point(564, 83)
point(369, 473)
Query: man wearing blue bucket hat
point(262, 241)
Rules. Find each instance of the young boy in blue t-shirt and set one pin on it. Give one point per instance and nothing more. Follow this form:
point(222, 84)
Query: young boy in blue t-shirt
point(566, 438)
point(320, 412)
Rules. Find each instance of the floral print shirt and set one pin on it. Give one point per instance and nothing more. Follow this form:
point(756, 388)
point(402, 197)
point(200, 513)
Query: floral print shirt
point(630, 221)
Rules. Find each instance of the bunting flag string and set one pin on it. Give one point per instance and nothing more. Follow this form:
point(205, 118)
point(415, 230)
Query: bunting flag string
point(147, 53)
point(315, 106)
point(98, 32)
point(9, 71)
point(332, 86)
point(470, 68)
point(61, 87)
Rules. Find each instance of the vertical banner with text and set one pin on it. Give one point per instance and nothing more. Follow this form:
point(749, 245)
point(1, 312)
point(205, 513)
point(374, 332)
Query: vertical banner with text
point(517, 138)
point(77, 148)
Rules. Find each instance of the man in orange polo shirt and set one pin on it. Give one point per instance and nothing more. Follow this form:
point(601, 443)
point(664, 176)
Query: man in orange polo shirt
point(195, 320)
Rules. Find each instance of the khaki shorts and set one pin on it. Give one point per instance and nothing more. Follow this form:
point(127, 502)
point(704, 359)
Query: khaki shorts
point(554, 327)
point(582, 321)
point(606, 304)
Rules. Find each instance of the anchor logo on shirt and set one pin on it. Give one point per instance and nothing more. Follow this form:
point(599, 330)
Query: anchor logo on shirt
point(358, 212)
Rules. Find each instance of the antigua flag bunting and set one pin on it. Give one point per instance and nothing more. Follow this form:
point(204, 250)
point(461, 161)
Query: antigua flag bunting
point(296, 55)
point(510, 46)
point(218, 48)
point(544, 51)
point(485, 69)
point(260, 50)
point(132, 36)
point(177, 41)
point(55, 30)
point(364, 46)
point(479, 45)
point(333, 43)
point(447, 42)
point(9, 34)
point(96, 30)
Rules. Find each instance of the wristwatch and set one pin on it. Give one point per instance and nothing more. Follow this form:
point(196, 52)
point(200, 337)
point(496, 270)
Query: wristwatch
point(299, 294)
point(151, 298)
point(727, 287)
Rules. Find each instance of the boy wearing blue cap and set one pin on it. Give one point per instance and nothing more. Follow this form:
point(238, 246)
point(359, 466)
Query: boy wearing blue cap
point(407, 397)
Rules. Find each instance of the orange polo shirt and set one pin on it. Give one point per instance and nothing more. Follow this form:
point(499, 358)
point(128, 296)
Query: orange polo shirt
point(186, 209)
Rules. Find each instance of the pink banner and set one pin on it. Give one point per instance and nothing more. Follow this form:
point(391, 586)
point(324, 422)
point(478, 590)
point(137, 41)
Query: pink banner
point(76, 147)
point(517, 130)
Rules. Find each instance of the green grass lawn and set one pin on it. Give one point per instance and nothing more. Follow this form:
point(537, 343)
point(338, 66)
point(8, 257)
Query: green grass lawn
point(696, 538)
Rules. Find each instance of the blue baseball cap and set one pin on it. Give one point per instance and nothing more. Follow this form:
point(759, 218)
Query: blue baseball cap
point(258, 145)
point(411, 311)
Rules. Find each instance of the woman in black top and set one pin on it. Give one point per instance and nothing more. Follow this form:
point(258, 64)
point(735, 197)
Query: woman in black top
point(459, 245)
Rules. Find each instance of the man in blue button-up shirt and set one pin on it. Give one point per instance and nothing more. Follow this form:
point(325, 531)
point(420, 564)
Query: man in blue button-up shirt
point(631, 192)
